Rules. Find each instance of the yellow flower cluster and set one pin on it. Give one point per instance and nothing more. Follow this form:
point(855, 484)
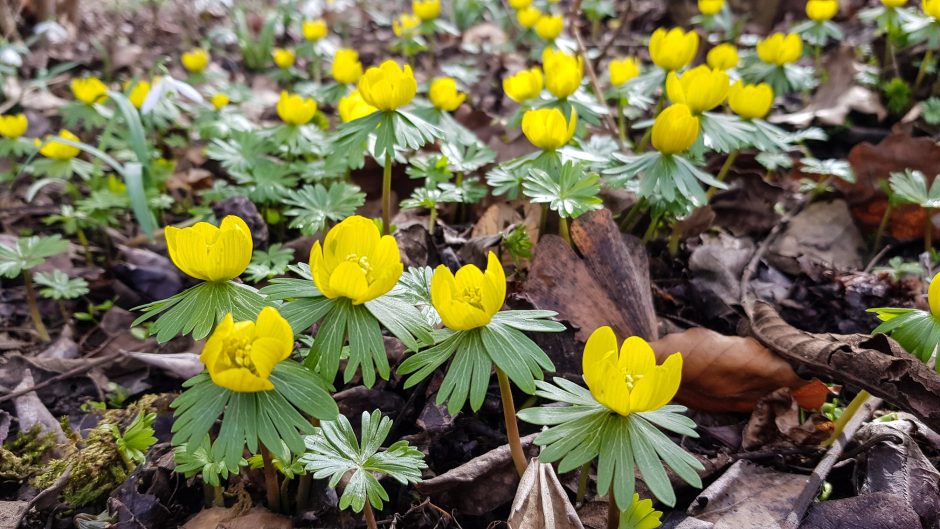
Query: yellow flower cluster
point(547, 128)
point(622, 70)
point(315, 30)
point(346, 67)
point(57, 150)
point(821, 10)
point(89, 90)
point(468, 299)
point(444, 94)
point(240, 356)
point(673, 49)
point(780, 49)
point(295, 109)
point(211, 253)
point(524, 85)
point(195, 60)
point(701, 88)
point(563, 72)
point(13, 126)
point(388, 86)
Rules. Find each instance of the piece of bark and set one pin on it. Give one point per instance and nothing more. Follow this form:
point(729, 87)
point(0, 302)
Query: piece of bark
point(875, 363)
point(881, 510)
point(617, 269)
point(560, 281)
point(541, 501)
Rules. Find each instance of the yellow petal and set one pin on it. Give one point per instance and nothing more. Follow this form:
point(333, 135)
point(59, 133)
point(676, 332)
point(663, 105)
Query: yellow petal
point(602, 343)
point(933, 296)
point(213, 347)
point(348, 281)
point(271, 325)
point(636, 356)
point(497, 279)
point(241, 380)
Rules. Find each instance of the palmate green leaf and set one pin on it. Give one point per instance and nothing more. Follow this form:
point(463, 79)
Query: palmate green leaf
point(911, 186)
point(467, 157)
point(29, 252)
point(192, 459)
point(467, 375)
point(414, 288)
point(917, 331)
point(769, 138)
point(570, 193)
point(433, 168)
point(242, 151)
point(586, 429)
point(506, 180)
point(403, 320)
point(423, 197)
point(366, 346)
point(312, 207)
point(266, 264)
point(58, 285)
point(670, 177)
point(197, 310)
point(832, 167)
point(520, 358)
point(349, 143)
point(277, 418)
point(725, 133)
point(422, 364)
point(333, 452)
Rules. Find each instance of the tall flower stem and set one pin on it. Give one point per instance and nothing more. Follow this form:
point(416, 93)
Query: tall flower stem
point(270, 481)
point(563, 229)
point(723, 172)
point(613, 512)
point(509, 417)
point(847, 414)
point(648, 135)
point(34, 307)
point(369, 516)
point(621, 121)
point(583, 478)
point(928, 59)
point(928, 229)
point(387, 196)
point(883, 225)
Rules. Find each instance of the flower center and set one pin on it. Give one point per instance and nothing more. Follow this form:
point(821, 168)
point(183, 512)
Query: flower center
point(472, 296)
point(238, 349)
point(631, 379)
point(364, 265)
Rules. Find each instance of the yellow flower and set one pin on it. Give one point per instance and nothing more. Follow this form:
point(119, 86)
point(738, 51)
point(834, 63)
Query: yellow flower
point(211, 253)
point(139, 93)
point(893, 3)
point(346, 67)
point(821, 10)
point(675, 129)
point(355, 261)
point(781, 49)
point(630, 381)
point(195, 60)
point(547, 129)
point(388, 86)
point(58, 150)
point(294, 109)
point(673, 49)
point(710, 7)
point(444, 94)
point(931, 7)
point(315, 29)
point(548, 27)
point(406, 25)
point(13, 126)
point(722, 57)
point(933, 296)
point(283, 57)
point(701, 88)
point(241, 355)
point(751, 101)
point(426, 9)
point(219, 101)
point(470, 298)
point(523, 85)
point(528, 16)
point(563, 72)
point(352, 107)
point(519, 4)
point(89, 90)
point(622, 70)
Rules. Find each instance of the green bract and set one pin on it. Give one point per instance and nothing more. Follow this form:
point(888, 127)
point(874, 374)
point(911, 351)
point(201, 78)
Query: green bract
point(341, 320)
point(474, 352)
point(268, 417)
point(334, 452)
point(623, 445)
point(659, 175)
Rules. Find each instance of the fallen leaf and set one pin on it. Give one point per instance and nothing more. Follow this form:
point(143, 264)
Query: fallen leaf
point(748, 496)
point(776, 418)
point(824, 235)
point(183, 365)
point(480, 485)
point(30, 411)
point(11, 513)
point(731, 373)
point(873, 164)
point(881, 510)
point(220, 518)
point(541, 501)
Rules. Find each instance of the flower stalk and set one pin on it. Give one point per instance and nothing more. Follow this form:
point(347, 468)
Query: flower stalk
point(564, 231)
point(270, 481)
point(512, 426)
point(387, 195)
point(34, 307)
point(369, 516)
point(924, 65)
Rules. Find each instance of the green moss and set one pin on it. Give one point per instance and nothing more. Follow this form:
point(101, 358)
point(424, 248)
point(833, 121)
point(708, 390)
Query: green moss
point(22, 457)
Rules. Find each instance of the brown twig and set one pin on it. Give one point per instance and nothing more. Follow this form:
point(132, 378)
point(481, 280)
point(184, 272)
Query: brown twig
point(68, 374)
point(622, 24)
point(582, 51)
point(815, 480)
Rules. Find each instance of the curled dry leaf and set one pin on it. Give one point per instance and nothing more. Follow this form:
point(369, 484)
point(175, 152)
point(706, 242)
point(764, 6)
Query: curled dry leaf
point(541, 501)
point(731, 373)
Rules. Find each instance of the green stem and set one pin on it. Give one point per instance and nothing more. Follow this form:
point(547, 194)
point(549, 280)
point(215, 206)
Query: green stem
point(621, 121)
point(583, 478)
point(369, 516)
point(675, 237)
point(563, 230)
point(217, 497)
point(648, 135)
point(651, 230)
point(723, 172)
point(928, 230)
point(270, 481)
point(613, 512)
point(629, 221)
point(509, 417)
point(432, 220)
point(83, 240)
point(928, 59)
point(34, 307)
point(543, 219)
point(882, 226)
point(387, 195)
point(847, 414)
